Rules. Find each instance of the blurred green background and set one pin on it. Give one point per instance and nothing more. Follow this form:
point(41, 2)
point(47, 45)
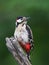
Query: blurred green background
point(38, 10)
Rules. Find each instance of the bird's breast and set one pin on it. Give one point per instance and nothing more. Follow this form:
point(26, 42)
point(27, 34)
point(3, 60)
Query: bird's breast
point(23, 34)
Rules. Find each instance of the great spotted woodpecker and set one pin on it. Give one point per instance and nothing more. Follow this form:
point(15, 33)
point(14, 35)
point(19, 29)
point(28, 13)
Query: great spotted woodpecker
point(23, 34)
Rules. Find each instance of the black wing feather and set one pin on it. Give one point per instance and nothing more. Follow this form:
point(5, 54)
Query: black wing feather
point(30, 35)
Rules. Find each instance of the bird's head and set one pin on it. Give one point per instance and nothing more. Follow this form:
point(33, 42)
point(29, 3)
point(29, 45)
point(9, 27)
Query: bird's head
point(21, 20)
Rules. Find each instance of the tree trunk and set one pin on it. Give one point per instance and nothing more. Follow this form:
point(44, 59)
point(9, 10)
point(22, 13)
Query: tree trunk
point(17, 51)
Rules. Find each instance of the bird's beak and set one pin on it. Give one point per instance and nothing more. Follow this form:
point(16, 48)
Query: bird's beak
point(26, 18)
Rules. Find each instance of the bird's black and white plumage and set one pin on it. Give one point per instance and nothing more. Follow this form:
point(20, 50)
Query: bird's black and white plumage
point(30, 35)
point(24, 34)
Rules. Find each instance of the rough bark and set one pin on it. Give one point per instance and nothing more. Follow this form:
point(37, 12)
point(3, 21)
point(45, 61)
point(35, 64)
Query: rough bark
point(17, 51)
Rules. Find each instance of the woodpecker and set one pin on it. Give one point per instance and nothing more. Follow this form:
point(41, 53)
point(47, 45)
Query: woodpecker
point(23, 34)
